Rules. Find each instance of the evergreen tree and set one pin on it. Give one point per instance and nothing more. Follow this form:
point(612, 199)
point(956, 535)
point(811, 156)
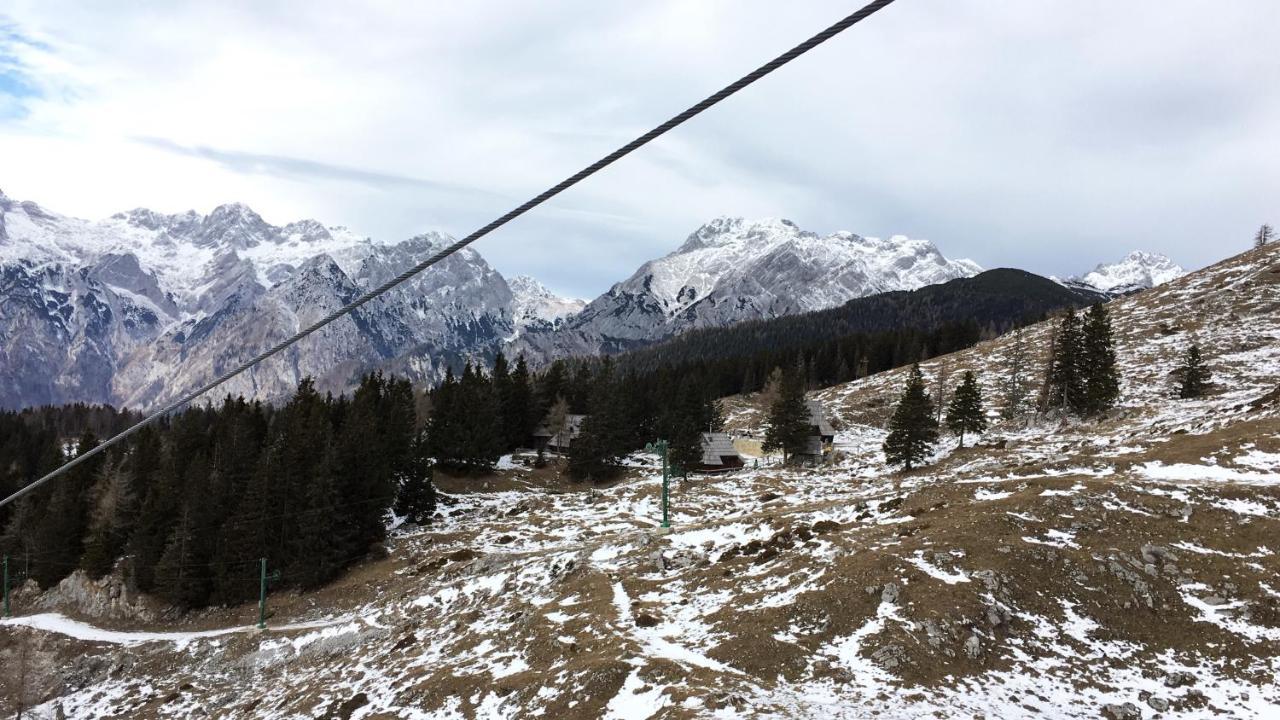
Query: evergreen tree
point(179, 573)
point(964, 412)
point(1195, 376)
point(416, 499)
point(1265, 235)
point(913, 429)
point(519, 414)
point(115, 508)
point(1101, 377)
point(787, 425)
point(597, 452)
point(483, 442)
point(683, 426)
point(1067, 383)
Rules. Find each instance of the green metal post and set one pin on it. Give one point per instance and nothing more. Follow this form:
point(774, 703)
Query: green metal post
point(262, 597)
point(660, 447)
point(666, 487)
point(6, 586)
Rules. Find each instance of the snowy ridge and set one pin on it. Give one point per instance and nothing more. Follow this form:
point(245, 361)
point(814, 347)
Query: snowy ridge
point(1136, 271)
point(733, 269)
point(533, 303)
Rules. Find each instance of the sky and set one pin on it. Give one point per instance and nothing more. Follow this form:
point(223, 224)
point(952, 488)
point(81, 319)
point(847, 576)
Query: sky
point(1049, 135)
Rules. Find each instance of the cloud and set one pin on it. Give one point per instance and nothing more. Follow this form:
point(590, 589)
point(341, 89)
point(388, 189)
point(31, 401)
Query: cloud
point(1050, 135)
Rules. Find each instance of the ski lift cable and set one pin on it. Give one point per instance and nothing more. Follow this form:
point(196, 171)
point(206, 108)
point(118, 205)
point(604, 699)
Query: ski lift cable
point(751, 77)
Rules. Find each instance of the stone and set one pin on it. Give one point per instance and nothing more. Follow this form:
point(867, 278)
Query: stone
point(1158, 704)
point(1127, 711)
point(890, 593)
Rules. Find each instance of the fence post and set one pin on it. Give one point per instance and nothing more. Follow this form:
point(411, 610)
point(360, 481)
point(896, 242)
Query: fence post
point(6, 586)
point(262, 596)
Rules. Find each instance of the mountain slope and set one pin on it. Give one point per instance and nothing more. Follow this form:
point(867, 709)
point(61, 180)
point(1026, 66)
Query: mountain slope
point(994, 300)
point(1119, 567)
point(140, 307)
point(731, 270)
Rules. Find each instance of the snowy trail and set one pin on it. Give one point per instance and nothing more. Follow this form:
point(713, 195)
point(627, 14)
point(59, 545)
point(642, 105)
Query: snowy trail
point(63, 625)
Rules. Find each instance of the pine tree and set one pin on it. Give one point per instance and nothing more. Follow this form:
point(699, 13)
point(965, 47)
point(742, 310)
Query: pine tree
point(684, 425)
point(1195, 376)
point(913, 429)
point(787, 425)
point(602, 442)
point(178, 576)
point(519, 415)
point(1067, 384)
point(1015, 382)
point(416, 499)
point(964, 412)
point(1101, 377)
point(1265, 235)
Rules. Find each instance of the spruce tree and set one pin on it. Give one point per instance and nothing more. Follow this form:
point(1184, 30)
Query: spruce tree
point(1067, 384)
point(787, 426)
point(964, 412)
point(602, 442)
point(913, 429)
point(416, 499)
point(1195, 376)
point(519, 414)
point(1101, 377)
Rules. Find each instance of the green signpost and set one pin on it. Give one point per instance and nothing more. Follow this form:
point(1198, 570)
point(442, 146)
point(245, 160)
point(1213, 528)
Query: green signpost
point(660, 447)
point(262, 597)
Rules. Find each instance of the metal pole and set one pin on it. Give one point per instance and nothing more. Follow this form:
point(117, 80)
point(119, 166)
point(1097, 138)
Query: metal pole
point(6, 586)
point(666, 486)
point(262, 597)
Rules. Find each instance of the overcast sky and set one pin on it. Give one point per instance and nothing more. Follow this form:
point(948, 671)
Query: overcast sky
point(1043, 134)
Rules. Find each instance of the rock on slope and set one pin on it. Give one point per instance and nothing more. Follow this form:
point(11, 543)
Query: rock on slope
point(732, 269)
point(1121, 566)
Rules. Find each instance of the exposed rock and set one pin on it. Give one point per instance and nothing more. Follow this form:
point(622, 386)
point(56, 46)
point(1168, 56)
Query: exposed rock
point(1127, 711)
point(890, 593)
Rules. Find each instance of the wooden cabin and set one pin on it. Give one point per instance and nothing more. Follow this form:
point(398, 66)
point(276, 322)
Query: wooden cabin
point(718, 454)
point(821, 442)
point(545, 439)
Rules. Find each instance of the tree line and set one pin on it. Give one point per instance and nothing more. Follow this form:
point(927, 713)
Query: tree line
point(187, 506)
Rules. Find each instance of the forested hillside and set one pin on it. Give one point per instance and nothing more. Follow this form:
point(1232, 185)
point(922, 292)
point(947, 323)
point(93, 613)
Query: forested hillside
point(191, 504)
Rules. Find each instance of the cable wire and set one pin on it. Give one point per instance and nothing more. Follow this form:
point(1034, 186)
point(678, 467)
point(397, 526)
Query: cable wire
point(786, 57)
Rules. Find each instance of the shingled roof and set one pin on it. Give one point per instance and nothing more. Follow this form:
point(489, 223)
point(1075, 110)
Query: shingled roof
point(716, 447)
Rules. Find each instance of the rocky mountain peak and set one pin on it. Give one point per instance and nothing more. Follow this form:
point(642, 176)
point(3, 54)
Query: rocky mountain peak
point(1138, 270)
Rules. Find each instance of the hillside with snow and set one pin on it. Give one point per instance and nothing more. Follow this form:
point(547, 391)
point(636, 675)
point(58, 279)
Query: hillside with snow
point(1120, 567)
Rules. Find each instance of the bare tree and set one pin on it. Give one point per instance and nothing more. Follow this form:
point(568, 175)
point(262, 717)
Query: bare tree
point(1265, 235)
point(940, 389)
point(558, 422)
point(1016, 383)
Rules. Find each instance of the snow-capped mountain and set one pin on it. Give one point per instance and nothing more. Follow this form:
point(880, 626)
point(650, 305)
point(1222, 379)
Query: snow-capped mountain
point(533, 305)
point(138, 308)
point(1137, 271)
point(732, 269)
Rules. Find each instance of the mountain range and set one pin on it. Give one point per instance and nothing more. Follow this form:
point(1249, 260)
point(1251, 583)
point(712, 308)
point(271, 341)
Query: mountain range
point(135, 309)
